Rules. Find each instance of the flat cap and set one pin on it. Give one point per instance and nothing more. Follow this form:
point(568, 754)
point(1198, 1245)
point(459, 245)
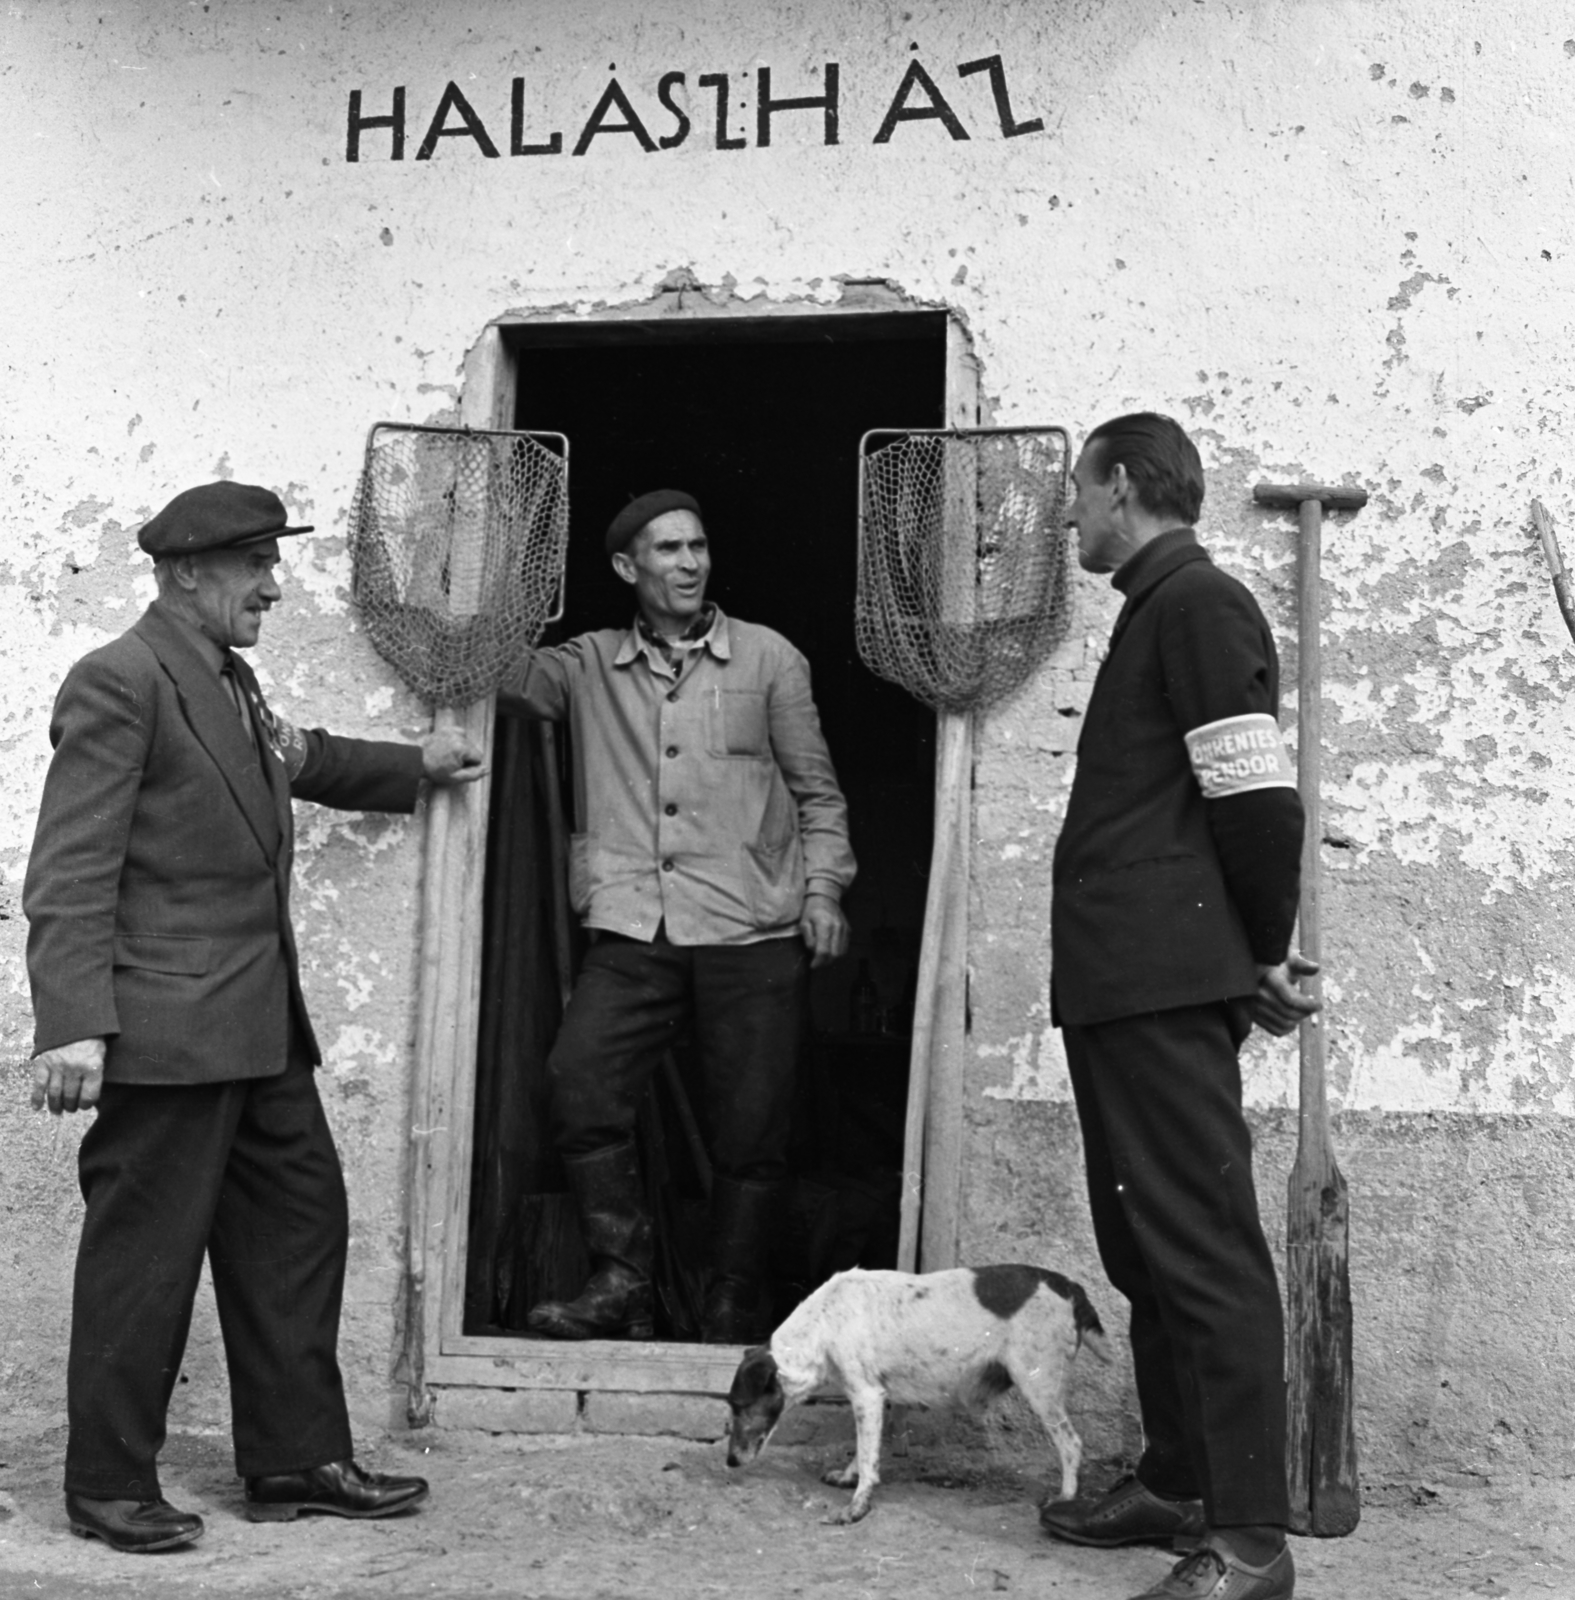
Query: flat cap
point(214, 516)
point(637, 513)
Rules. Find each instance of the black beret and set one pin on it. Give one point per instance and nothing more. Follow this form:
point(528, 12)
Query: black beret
point(637, 513)
point(214, 516)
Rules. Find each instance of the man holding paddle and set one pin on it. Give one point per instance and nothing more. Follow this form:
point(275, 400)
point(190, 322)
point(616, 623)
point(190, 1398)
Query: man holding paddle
point(1175, 893)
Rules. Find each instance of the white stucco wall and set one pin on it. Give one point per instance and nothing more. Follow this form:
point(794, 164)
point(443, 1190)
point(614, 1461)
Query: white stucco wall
point(1334, 239)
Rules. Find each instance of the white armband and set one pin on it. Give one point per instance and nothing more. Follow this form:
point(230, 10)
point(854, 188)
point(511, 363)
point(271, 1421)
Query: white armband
point(1237, 754)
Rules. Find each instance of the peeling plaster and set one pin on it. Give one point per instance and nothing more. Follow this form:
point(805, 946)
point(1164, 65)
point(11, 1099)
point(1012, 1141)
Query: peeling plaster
point(1036, 1058)
point(356, 1049)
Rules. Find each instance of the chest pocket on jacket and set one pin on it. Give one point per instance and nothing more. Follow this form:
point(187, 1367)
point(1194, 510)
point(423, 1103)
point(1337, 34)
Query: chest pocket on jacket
point(739, 724)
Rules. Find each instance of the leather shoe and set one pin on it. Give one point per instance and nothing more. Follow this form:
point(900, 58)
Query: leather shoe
point(1127, 1513)
point(138, 1527)
point(341, 1489)
point(1215, 1572)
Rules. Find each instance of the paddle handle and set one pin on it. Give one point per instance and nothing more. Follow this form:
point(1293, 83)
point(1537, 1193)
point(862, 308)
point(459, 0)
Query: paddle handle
point(1314, 1126)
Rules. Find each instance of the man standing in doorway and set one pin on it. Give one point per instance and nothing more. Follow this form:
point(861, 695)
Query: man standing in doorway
point(1175, 891)
point(709, 866)
point(166, 992)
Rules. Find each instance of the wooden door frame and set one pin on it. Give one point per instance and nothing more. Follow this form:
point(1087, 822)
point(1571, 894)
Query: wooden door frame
point(437, 1353)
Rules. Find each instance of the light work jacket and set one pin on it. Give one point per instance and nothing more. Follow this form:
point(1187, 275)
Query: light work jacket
point(158, 889)
point(704, 801)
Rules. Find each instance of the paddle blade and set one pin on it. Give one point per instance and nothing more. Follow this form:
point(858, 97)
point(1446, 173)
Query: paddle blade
point(1320, 1438)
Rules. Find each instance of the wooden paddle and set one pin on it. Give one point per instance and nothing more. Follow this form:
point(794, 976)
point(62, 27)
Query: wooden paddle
point(1321, 1439)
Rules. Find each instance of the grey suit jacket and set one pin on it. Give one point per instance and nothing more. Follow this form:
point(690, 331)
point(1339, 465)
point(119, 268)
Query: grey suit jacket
point(158, 889)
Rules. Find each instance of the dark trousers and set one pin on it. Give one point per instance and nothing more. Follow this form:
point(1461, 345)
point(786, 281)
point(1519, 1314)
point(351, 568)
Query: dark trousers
point(745, 1003)
point(246, 1172)
point(1176, 1217)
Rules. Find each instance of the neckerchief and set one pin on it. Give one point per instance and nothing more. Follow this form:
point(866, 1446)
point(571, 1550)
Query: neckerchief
point(676, 652)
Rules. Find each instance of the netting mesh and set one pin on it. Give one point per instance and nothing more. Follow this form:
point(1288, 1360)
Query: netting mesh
point(457, 542)
point(965, 569)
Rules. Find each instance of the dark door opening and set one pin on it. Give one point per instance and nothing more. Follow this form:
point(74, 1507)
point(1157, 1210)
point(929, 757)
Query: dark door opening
point(761, 421)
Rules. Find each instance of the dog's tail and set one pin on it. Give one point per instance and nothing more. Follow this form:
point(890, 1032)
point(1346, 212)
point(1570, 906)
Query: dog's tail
point(1090, 1330)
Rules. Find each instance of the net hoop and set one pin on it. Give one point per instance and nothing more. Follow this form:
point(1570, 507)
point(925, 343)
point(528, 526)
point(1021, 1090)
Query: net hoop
point(458, 538)
point(965, 578)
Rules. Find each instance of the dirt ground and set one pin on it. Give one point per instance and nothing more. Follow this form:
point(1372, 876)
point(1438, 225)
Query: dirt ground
point(583, 1518)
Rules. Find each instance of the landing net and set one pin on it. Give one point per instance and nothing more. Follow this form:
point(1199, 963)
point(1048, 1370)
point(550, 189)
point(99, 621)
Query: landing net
point(457, 544)
point(965, 563)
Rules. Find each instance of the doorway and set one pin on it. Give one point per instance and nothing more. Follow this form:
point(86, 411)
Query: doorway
point(760, 419)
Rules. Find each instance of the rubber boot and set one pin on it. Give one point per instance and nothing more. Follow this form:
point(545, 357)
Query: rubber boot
point(616, 1227)
point(743, 1217)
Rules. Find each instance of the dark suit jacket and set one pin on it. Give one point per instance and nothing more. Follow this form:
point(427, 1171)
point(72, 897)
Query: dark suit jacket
point(158, 889)
point(1141, 916)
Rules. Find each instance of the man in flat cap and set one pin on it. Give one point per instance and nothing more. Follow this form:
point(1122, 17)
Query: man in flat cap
point(710, 862)
point(166, 993)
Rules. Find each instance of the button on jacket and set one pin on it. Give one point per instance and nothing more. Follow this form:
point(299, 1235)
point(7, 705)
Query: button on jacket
point(707, 800)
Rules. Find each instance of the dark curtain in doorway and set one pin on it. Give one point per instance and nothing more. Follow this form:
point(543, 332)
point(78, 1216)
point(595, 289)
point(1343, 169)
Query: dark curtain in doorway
point(524, 1244)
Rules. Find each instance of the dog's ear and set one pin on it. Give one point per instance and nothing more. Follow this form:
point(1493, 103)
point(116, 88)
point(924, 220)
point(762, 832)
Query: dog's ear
point(756, 1375)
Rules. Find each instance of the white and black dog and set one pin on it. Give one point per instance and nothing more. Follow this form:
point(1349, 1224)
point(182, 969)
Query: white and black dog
point(959, 1337)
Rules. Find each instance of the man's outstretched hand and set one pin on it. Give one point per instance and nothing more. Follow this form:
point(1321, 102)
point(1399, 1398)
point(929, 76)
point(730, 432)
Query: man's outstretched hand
point(1279, 1007)
point(451, 756)
point(69, 1077)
